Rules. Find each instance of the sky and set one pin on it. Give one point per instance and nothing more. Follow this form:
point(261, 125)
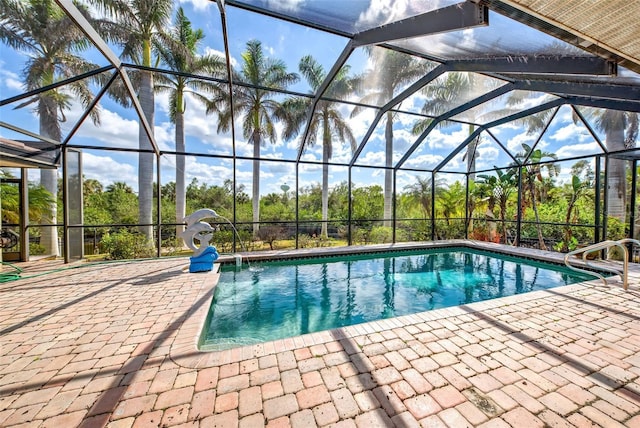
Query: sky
point(290, 42)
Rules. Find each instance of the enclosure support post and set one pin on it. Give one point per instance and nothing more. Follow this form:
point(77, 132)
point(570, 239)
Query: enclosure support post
point(394, 207)
point(605, 209)
point(158, 208)
point(65, 204)
point(24, 215)
point(597, 220)
point(433, 206)
point(350, 209)
point(467, 220)
point(632, 210)
point(519, 211)
point(297, 203)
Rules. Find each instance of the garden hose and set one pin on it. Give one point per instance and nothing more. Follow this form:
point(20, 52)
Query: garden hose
point(15, 275)
point(10, 276)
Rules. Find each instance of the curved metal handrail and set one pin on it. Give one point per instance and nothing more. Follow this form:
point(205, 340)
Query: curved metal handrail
point(603, 246)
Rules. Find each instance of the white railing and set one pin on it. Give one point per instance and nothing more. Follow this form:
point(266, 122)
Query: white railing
point(624, 273)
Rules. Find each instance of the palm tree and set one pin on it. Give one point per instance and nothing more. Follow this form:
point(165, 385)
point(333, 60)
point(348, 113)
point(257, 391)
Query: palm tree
point(139, 28)
point(91, 186)
point(532, 172)
point(502, 185)
point(257, 105)
point(179, 54)
point(621, 131)
point(443, 94)
point(51, 40)
point(483, 191)
point(451, 201)
point(40, 201)
point(326, 122)
point(391, 70)
point(119, 186)
point(421, 191)
point(574, 191)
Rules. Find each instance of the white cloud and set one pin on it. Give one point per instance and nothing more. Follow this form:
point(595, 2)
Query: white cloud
point(535, 99)
point(514, 144)
point(438, 139)
point(427, 161)
point(571, 132)
point(384, 11)
point(372, 158)
point(107, 170)
point(310, 168)
point(578, 150)
point(402, 140)
point(486, 156)
point(11, 80)
point(114, 130)
point(285, 5)
point(497, 130)
point(210, 51)
point(457, 163)
point(198, 5)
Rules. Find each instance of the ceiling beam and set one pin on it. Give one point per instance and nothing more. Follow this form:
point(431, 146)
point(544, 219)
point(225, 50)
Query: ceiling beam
point(537, 65)
point(451, 18)
point(29, 133)
point(572, 88)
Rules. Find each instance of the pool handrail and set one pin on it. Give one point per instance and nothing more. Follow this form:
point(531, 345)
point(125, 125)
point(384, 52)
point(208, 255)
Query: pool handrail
point(603, 245)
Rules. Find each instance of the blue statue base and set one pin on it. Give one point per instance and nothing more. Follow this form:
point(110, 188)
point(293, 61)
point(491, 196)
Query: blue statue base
point(204, 262)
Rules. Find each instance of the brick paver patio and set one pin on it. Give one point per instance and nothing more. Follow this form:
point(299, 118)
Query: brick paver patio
point(115, 345)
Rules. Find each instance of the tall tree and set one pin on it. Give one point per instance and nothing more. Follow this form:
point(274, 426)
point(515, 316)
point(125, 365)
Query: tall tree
point(52, 43)
point(502, 184)
point(621, 132)
point(139, 27)
point(390, 71)
point(40, 201)
point(258, 106)
point(327, 124)
point(179, 53)
point(532, 174)
point(421, 191)
point(447, 92)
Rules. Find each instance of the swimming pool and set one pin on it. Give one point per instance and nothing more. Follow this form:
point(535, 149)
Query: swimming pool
point(291, 298)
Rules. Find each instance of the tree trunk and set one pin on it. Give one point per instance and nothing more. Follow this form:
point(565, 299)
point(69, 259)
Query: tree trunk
point(49, 127)
point(145, 159)
point(492, 228)
point(325, 183)
point(49, 234)
point(617, 179)
point(256, 186)
point(503, 212)
point(534, 205)
point(388, 173)
point(471, 169)
point(181, 198)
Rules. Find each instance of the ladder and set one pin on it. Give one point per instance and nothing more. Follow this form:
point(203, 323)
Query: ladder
point(624, 273)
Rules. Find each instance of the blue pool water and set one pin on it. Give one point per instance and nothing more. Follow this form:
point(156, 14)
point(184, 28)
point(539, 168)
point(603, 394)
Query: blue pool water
point(291, 298)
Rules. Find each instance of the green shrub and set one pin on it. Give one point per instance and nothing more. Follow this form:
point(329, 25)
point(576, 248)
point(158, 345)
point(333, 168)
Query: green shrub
point(36, 249)
point(381, 235)
point(126, 245)
point(304, 240)
point(173, 246)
